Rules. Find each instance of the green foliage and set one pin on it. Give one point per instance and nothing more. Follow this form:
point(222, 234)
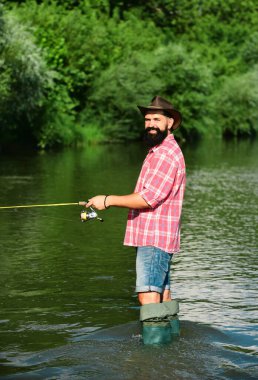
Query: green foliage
point(80, 43)
point(112, 102)
point(74, 44)
point(237, 105)
point(89, 63)
point(210, 21)
point(171, 71)
point(32, 106)
point(57, 119)
point(187, 82)
point(24, 77)
point(91, 134)
point(250, 50)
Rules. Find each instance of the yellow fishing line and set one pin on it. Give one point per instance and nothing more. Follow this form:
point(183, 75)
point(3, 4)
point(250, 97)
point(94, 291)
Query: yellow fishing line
point(44, 205)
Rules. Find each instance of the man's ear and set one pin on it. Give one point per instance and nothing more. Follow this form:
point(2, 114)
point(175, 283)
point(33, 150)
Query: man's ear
point(170, 123)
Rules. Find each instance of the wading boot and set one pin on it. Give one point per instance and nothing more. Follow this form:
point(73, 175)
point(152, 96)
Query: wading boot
point(159, 322)
point(172, 307)
point(156, 332)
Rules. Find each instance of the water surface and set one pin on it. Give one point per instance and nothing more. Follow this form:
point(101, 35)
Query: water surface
point(68, 308)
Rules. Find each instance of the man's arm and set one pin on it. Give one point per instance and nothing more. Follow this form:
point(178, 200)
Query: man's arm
point(133, 200)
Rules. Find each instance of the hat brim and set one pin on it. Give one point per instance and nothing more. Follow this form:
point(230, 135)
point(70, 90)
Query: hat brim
point(176, 115)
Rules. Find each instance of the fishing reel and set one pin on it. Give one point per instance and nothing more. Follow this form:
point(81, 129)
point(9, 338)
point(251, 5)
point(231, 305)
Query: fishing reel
point(89, 215)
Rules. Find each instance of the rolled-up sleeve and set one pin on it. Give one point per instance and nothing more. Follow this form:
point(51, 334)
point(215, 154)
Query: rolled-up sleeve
point(159, 180)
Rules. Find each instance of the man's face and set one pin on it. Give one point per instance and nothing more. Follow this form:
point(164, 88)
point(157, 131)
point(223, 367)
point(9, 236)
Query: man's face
point(157, 127)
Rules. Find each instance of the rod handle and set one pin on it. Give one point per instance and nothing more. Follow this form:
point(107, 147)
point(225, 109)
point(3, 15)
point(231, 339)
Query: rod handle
point(82, 203)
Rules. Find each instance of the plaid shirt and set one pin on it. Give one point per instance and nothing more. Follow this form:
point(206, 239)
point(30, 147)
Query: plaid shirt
point(161, 183)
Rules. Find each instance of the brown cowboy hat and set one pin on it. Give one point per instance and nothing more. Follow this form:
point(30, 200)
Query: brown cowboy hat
point(162, 106)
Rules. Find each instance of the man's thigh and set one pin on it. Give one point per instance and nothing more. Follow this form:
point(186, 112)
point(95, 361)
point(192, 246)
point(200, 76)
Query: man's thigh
point(152, 269)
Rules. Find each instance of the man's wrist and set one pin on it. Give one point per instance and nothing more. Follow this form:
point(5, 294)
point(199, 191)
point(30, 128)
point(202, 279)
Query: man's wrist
point(105, 202)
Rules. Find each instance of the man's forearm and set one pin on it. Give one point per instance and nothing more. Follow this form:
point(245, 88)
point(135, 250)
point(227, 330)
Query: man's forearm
point(133, 200)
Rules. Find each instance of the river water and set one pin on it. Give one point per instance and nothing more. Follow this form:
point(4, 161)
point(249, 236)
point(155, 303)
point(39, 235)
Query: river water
point(68, 307)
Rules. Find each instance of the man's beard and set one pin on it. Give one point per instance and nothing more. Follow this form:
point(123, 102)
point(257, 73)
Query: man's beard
point(152, 139)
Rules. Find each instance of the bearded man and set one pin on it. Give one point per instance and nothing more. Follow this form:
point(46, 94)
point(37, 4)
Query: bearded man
point(153, 225)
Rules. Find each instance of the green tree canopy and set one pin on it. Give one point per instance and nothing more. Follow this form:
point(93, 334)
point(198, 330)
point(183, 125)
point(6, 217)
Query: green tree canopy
point(69, 67)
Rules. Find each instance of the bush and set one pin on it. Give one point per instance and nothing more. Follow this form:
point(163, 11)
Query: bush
point(34, 105)
point(188, 82)
point(250, 50)
point(74, 44)
point(237, 105)
point(169, 71)
point(24, 78)
point(112, 103)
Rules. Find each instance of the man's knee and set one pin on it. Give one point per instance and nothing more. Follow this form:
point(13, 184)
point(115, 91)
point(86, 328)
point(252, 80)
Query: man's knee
point(148, 297)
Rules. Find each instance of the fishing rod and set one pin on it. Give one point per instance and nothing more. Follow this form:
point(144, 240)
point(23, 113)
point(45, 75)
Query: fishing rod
point(85, 215)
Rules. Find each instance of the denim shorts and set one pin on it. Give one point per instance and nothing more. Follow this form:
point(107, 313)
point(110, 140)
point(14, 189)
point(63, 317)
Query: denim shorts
point(152, 270)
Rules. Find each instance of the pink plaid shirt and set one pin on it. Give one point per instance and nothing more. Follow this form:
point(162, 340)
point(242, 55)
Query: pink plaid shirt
point(161, 183)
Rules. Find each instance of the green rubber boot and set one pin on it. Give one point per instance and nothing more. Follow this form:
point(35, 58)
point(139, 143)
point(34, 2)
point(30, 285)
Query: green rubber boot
point(159, 322)
point(155, 332)
point(175, 326)
point(159, 311)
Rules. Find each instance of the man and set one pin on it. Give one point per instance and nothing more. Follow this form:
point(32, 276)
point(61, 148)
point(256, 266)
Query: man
point(153, 225)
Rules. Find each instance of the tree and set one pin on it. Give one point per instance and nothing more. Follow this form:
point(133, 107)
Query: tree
point(24, 78)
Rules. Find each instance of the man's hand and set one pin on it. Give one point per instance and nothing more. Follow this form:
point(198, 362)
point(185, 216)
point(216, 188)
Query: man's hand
point(97, 202)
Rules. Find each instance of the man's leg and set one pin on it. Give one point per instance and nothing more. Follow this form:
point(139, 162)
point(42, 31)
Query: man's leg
point(152, 282)
point(158, 311)
point(154, 297)
point(166, 296)
point(149, 297)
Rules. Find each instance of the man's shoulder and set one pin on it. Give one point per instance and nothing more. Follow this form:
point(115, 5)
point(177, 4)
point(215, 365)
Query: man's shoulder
point(170, 146)
point(171, 150)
